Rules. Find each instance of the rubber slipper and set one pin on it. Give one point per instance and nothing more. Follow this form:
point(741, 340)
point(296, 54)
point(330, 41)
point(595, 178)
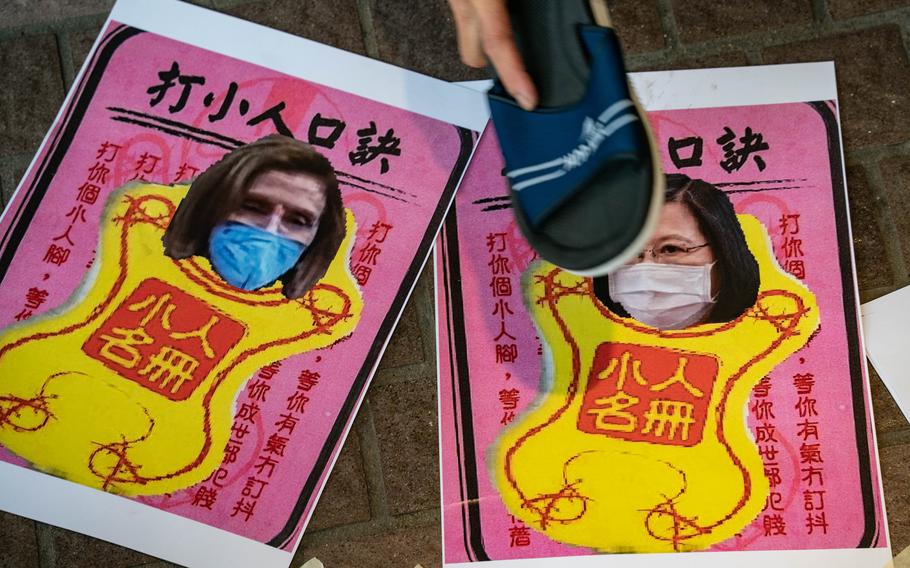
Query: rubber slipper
point(583, 169)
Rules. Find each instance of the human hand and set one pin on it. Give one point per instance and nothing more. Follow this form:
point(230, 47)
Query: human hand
point(485, 33)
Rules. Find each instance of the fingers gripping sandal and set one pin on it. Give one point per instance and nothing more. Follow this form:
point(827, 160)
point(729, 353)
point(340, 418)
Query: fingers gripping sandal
point(585, 182)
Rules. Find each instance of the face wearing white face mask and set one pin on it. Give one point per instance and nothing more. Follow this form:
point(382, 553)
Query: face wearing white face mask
point(665, 296)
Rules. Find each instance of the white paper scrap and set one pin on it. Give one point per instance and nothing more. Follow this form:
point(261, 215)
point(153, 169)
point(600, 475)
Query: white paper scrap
point(886, 326)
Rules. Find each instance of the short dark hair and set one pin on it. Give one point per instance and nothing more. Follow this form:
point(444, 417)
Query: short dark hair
point(736, 266)
point(220, 190)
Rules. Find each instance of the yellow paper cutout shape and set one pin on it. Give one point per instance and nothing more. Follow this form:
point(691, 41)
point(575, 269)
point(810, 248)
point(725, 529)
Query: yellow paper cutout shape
point(639, 441)
point(130, 387)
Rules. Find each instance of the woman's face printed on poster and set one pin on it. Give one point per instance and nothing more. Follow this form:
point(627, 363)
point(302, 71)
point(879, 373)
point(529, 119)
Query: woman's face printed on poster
point(269, 211)
point(286, 204)
point(695, 269)
point(267, 234)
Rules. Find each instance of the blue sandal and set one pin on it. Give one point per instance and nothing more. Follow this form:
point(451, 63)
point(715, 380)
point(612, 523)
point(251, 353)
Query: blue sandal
point(583, 170)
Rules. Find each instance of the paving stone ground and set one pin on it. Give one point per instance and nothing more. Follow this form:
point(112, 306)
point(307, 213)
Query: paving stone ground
point(381, 504)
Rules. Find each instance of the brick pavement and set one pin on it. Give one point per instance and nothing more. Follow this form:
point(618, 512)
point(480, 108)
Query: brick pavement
point(381, 504)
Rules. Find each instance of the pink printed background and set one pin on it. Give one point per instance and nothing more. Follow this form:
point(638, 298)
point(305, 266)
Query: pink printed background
point(793, 199)
point(123, 137)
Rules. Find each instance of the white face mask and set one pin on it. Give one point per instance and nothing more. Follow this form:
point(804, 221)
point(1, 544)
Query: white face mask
point(665, 296)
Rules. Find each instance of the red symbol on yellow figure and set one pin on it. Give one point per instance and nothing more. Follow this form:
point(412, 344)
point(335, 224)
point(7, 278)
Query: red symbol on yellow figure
point(648, 394)
point(164, 339)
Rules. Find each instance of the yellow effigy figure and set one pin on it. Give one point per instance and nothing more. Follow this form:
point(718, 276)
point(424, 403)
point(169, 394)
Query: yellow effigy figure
point(638, 440)
point(130, 387)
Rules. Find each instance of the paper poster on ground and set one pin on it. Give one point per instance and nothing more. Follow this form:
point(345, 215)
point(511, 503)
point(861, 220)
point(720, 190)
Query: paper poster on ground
point(709, 398)
point(199, 273)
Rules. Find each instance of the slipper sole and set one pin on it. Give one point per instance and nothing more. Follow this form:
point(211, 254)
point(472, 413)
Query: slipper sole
point(607, 220)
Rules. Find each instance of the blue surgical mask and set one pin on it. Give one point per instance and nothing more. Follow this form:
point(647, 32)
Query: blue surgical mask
point(248, 257)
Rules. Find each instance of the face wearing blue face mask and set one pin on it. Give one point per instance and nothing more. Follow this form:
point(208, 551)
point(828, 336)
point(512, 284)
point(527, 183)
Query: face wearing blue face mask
point(248, 257)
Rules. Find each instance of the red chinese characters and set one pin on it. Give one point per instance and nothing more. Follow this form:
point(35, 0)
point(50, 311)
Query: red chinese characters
point(246, 420)
point(519, 534)
point(368, 256)
point(270, 455)
point(33, 300)
point(811, 461)
point(792, 246)
point(774, 522)
point(58, 252)
point(163, 339)
point(306, 381)
point(145, 166)
point(509, 399)
point(501, 287)
point(648, 394)
point(185, 173)
point(505, 344)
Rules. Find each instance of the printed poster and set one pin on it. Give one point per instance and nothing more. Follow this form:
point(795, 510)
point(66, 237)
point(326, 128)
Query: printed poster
point(199, 273)
point(710, 397)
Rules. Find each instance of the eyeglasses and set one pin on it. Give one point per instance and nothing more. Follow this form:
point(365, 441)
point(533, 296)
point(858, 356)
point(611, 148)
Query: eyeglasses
point(669, 253)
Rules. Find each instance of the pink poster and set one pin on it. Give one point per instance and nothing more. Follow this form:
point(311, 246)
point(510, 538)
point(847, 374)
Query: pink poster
point(577, 422)
point(155, 371)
